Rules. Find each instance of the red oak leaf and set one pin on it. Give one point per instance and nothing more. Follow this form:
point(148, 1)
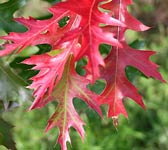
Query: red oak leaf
point(71, 85)
point(51, 67)
point(92, 34)
point(40, 32)
point(118, 85)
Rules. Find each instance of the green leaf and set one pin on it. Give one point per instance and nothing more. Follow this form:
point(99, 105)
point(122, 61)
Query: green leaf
point(6, 138)
point(104, 49)
point(12, 87)
point(137, 44)
point(63, 21)
point(97, 87)
point(28, 51)
point(79, 66)
point(7, 10)
point(132, 73)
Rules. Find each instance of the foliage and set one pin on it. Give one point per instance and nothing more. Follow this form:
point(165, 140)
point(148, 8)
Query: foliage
point(5, 135)
point(7, 9)
point(79, 37)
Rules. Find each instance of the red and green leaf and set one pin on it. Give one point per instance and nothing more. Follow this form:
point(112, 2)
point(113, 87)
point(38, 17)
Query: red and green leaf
point(65, 115)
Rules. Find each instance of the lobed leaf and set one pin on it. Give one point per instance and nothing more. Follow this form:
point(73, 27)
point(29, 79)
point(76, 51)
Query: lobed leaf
point(118, 86)
point(65, 115)
point(91, 33)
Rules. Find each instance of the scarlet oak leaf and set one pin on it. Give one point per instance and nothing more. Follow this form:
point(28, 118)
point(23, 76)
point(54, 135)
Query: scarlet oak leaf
point(39, 32)
point(91, 33)
point(51, 69)
point(51, 66)
point(71, 85)
point(118, 86)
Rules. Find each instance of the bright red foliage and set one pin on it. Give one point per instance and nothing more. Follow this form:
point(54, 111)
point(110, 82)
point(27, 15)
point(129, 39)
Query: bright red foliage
point(118, 85)
point(91, 23)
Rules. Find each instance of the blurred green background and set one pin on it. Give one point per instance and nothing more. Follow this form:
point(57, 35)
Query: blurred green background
point(143, 130)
